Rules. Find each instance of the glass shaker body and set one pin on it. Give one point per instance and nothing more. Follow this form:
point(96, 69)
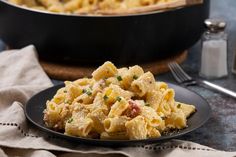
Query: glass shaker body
point(214, 55)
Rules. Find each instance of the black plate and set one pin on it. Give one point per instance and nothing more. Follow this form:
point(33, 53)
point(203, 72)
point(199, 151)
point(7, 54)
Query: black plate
point(35, 106)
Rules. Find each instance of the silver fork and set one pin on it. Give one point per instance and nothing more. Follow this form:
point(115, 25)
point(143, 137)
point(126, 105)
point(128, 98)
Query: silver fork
point(183, 78)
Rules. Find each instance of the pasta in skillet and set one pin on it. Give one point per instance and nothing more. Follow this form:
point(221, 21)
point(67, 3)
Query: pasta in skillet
point(87, 6)
point(125, 103)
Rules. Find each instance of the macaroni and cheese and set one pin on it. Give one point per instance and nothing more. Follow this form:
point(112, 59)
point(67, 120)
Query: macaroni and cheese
point(87, 6)
point(116, 103)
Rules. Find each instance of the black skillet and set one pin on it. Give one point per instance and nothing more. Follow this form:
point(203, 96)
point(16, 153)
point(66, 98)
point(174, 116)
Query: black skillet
point(124, 39)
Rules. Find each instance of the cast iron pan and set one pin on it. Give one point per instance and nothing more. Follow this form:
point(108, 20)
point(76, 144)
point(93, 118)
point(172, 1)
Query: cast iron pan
point(82, 39)
point(35, 106)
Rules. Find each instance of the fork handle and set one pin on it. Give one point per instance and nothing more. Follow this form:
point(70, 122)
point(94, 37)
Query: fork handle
point(219, 88)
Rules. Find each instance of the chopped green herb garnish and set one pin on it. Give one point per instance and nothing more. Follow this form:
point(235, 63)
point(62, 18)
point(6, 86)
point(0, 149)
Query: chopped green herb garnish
point(118, 98)
point(135, 77)
point(84, 91)
point(65, 91)
point(67, 102)
point(147, 104)
point(89, 92)
point(119, 78)
point(70, 120)
point(105, 97)
point(179, 105)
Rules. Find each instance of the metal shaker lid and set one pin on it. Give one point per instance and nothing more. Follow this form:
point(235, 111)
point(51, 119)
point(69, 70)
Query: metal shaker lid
point(215, 25)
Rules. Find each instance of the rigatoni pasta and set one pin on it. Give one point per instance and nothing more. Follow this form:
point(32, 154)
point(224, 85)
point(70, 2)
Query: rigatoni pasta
point(125, 103)
point(137, 128)
point(143, 84)
point(88, 6)
point(116, 124)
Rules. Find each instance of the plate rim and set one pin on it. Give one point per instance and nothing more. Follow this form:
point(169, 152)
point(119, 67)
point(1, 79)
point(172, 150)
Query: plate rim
point(99, 141)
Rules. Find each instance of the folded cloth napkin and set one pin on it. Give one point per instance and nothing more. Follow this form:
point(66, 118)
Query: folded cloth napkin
point(21, 76)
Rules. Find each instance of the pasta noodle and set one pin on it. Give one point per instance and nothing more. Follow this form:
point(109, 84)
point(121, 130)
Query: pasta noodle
point(88, 6)
point(114, 136)
point(143, 84)
point(116, 124)
point(118, 108)
point(125, 103)
point(137, 128)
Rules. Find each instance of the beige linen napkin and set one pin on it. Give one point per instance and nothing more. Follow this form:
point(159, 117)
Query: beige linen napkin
point(21, 77)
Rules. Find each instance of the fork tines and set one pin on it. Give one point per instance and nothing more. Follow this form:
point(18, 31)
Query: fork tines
point(179, 74)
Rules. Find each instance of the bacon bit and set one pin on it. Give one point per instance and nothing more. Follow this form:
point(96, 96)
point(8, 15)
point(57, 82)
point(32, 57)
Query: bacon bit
point(133, 109)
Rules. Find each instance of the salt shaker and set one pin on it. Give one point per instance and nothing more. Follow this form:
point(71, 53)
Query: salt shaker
point(214, 50)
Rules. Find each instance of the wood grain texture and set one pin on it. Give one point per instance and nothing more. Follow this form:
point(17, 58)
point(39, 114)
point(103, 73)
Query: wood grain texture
point(73, 72)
